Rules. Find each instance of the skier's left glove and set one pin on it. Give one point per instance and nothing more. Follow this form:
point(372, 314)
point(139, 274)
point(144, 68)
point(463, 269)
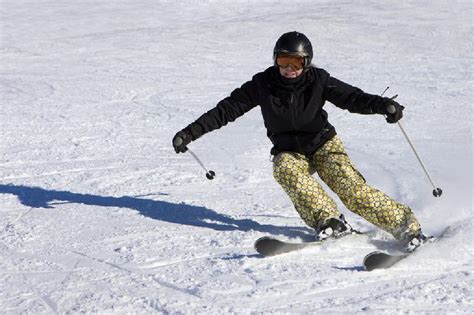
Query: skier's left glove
point(392, 110)
point(180, 140)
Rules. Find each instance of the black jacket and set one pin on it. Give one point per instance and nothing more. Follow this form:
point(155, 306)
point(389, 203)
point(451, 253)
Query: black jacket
point(292, 109)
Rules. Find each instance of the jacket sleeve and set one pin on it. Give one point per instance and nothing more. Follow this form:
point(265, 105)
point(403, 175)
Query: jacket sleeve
point(352, 98)
point(240, 101)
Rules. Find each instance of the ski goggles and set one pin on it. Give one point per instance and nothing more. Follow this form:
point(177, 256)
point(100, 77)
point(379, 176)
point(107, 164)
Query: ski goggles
point(294, 61)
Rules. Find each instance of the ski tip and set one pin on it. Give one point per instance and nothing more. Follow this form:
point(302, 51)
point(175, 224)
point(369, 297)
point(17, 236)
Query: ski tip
point(261, 239)
point(381, 260)
point(265, 245)
point(368, 257)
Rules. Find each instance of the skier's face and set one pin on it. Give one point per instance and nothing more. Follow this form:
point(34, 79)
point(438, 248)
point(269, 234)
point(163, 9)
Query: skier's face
point(290, 72)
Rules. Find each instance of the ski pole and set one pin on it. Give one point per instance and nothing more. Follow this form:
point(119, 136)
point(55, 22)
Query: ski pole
point(436, 191)
point(209, 174)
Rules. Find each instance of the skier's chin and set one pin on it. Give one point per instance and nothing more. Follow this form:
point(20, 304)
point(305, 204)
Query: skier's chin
point(290, 75)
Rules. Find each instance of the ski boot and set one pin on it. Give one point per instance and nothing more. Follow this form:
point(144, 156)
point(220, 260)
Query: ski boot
point(414, 241)
point(334, 228)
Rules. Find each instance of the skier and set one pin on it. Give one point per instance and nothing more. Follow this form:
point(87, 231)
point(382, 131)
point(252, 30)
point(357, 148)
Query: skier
point(291, 95)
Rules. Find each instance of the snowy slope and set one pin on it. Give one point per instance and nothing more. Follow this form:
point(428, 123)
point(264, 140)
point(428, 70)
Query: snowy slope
point(98, 214)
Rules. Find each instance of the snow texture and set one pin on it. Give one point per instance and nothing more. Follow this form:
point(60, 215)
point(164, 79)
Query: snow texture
point(99, 215)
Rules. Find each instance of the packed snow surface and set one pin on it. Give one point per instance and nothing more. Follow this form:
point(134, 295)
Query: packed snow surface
point(99, 215)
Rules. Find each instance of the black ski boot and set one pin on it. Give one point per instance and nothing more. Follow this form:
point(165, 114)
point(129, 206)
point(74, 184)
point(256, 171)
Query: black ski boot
point(335, 228)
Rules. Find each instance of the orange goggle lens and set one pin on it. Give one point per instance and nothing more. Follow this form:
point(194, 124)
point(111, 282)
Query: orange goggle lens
point(296, 62)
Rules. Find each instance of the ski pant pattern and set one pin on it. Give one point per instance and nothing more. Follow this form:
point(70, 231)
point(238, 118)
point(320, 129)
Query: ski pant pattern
point(293, 171)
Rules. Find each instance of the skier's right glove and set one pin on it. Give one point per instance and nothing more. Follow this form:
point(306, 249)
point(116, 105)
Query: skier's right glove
point(180, 140)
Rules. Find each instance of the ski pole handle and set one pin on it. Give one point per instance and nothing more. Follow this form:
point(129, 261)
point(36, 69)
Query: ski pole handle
point(391, 109)
point(177, 141)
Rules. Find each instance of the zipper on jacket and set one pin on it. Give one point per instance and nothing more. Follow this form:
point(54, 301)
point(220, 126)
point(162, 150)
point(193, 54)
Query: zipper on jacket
point(294, 111)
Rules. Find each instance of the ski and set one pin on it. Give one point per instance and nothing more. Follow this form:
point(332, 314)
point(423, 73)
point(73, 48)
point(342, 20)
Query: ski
point(270, 246)
point(381, 260)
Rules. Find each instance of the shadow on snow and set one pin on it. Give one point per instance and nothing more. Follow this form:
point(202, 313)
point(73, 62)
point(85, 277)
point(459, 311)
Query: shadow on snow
point(36, 197)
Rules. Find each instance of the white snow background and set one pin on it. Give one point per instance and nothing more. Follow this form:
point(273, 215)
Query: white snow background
point(99, 215)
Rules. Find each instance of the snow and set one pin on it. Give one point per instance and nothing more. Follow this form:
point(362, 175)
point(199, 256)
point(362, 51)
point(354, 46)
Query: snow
point(99, 215)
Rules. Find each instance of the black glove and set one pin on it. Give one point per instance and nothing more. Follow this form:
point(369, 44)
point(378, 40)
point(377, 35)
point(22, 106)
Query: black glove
point(180, 140)
point(393, 110)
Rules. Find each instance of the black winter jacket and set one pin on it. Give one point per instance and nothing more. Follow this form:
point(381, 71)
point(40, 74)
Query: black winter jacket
point(292, 109)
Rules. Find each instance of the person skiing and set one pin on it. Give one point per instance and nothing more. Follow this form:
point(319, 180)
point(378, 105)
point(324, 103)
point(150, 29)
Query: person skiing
point(291, 95)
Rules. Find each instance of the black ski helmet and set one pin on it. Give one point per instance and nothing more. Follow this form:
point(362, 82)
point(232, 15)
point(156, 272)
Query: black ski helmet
point(294, 43)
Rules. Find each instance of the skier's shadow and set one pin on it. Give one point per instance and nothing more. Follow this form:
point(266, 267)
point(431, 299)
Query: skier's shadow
point(182, 213)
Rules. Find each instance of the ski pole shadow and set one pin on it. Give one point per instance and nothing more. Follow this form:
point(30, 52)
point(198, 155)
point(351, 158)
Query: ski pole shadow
point(179, 213)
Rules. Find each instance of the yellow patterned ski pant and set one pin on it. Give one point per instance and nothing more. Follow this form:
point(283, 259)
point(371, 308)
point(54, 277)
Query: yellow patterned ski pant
point(293, 171)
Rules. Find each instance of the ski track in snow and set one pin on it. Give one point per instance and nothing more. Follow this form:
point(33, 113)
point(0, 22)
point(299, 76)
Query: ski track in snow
point(99, 215)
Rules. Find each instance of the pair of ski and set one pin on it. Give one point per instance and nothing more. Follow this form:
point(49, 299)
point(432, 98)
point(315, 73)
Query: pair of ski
point(269, 246)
